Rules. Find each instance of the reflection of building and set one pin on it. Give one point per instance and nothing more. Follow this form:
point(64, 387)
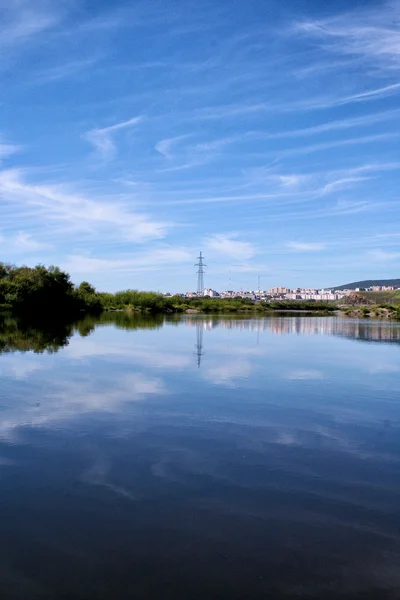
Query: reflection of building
point(367, 330)
point(357, 329)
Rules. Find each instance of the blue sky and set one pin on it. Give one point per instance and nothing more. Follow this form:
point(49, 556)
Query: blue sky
point(266, 134)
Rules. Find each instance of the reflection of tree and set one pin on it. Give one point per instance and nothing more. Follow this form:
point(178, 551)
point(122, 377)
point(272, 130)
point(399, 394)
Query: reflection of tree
point(17, 336)
point(23, 336)
point(122, 320)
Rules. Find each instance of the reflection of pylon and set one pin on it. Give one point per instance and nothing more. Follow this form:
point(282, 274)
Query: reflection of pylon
point(199, 342)
point(200, 274)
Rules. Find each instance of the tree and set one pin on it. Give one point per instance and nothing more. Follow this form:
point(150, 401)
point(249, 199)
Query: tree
point(86, 288)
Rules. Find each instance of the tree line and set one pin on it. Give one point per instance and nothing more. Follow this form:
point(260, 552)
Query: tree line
point(43, 290)
point(49, 291)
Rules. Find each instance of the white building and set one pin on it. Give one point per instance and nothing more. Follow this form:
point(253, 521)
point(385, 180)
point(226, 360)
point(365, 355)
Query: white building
point(211, 293)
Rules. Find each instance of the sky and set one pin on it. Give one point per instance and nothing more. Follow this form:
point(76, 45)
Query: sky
point(266, 134)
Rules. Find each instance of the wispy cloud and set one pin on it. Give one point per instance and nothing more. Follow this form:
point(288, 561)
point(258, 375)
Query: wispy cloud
point(196, 154)
point(338, 124)
point(306, 246)
point(342, 183)
point(63, 71)
point(340, 208)
point(166, 146)
point(223, 144)
point(152, 259)
point(371, 33)
point(352, 141)
point(25, 242)
point(23, 21)
point(78, 213)
point(337, 99)
point(8, 149)
point(384, 255)
point(289, 181)
point(102, 138)
point(229, 246)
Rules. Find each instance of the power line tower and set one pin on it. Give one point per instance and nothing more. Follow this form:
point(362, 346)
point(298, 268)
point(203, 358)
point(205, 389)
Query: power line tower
point(200, 274)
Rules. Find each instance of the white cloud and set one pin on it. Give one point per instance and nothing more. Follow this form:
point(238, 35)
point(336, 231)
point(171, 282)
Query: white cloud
point(21, 22)
point(165, 146)
point(340, 184)
point(24, 241)
point(227, 245)
point(63, 71)
point(383, 255)
point(140, 262)
point(367, 139)
point(102, 138)
point(8, 149)
point(229, 110)
point(386, 90)
point(77, 212)
point(372, 35)
point(318, 102)
point(289, 183)
point(362, 121)
point(306, 246)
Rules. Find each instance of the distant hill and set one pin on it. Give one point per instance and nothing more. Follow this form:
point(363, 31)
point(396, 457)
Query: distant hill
point(368, 283)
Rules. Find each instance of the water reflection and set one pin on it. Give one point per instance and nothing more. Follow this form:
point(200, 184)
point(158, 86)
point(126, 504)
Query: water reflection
point(199, 342)
point(359, 329)
point(20, 336)
point(23, 336)
point(272, 471)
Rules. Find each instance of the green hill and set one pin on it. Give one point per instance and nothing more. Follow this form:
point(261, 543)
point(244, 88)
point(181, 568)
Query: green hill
point(378, 298)
point(368, 283)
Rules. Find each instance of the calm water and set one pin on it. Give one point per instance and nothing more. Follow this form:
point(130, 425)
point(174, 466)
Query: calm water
point(200, 458)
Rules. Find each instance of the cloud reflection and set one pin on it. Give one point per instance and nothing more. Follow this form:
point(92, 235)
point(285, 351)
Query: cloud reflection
point(64, 401)
point(300, 375)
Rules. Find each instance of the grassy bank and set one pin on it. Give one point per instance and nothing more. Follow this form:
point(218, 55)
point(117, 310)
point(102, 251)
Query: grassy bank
point(391, 298)
point(151, 302)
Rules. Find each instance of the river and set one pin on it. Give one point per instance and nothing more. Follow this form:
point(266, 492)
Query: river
point(200, 458)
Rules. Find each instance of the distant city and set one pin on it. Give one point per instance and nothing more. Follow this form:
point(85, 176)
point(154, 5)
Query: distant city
point(275, 293)
point(282, 293)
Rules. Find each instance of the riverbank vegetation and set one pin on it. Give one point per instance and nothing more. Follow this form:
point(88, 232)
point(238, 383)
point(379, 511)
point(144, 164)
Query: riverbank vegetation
point(49, 292)
point(382, 311)
point(385, 298)
point(43, 291)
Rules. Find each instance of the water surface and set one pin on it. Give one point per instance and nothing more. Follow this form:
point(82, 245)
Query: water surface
point(200, 458)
